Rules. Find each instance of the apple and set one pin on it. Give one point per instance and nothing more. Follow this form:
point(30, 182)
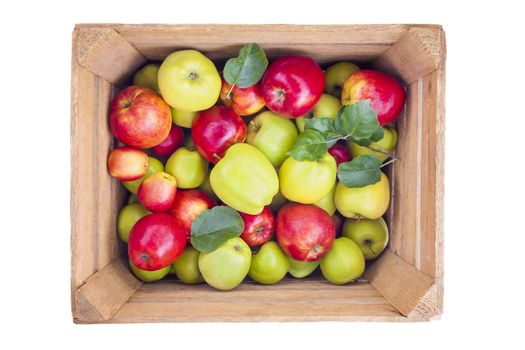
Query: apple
point(336, 76)
point(386, 144)
point(157, 192)
point(370, 235)
point(243, 101)
point(126, 163)
point(127, 217)
point(301, 269)
point(338, 223)
point(278, 201)
point(155, 166)
point(206, 188)
point(216, 129)
point(369, 202)
point(304, 231)
point(188, 167)
point(292, 85)
point(155, 241)
point(149, 276)
point(344, 262)
point(188, 204)
point(273, 135)
point(386, 94)
point(259, 228)
point(147, 77)
point(171, 144)
point(189, 81)
point(269, 265)
point(186, 267)
point(307, 181)
point(326, 107)
point(327, 202)
point(340, 153)
point(139, 117)
point(182, 118)
point(301, 121)
point(226, 266)
point(245, 179)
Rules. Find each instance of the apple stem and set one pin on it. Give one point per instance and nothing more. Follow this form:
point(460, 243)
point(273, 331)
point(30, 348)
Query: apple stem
point(228, 95)
point(390, 161)
point(382, 151)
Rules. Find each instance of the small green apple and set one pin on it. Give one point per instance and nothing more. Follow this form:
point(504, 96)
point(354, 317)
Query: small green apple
point(327, 203)
point(278, 201)
point(206, 188)
point(370, 235)
point(182, 118)
point(299, 122)
point(387, 144)
point(149, 276)
point(186, 267)
point(155, 166)
point(344, 262)
point(188, 167)
point(127, 217)
point(336, 76)
point(226, 266)
point(269, 265)
point(147, 77)
point(326, 107)
point(301, 269)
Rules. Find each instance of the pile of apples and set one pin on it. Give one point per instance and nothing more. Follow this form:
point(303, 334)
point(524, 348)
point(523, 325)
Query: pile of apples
point(189, 141)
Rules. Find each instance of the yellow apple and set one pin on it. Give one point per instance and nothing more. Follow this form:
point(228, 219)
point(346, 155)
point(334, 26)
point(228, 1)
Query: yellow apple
point(387, 144)
point(327, 202)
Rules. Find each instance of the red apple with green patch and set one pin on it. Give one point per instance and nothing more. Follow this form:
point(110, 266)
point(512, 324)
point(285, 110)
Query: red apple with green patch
point(157, 192)
point(172, 143)
point(127, 164)
point(340, 153)
point(259, 228)
point(188, 204)
point(243, 101)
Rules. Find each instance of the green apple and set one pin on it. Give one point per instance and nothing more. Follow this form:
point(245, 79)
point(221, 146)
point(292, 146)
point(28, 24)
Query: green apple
point(327, 203)
point(301, 269)
point(387, 144)
point(149, 276)
point(147, 77)
point(307, 181)
point(369, 202)
point(127, 217)
point(226, 266)
point(186, 267)
point(155, 166)
point(273, 135)
point(188, 167)
point(182, 118)
point(370, 235)
point(206, 188)
point(189, 81)
point(278, 201)
point(326, 107)
point(299, 122)
point(336, 76)
point(269, 265)
point(344, 262)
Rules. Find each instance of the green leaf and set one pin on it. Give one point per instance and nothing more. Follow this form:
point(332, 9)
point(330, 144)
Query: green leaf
point(361, 171)
point(248, 68)
point(310, 145)
point(378, 135)
point(323, 125)
point(214, 227)
point(357, 121)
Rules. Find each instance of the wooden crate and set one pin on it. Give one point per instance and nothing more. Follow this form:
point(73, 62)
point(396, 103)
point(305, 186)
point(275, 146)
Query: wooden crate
point(404, 284)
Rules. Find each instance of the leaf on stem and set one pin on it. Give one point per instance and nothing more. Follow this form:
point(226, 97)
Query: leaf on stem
point(214, 227)
point(310, 145)
point(248, 68)
point(361, 171)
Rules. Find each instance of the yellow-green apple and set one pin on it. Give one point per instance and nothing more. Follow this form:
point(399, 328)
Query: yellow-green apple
point(304, 231)
point(188, 167)
point(127, 217)
point(182, 118)
point(243, 101)
point(259, 228)
point(216, 129)
point(386, 94)
point(273, 135)
point(301, 269)
point(336, 76)
point(245, 179)
point(186, 267)
point(386, 144)
point(206, 188)
point(340, 153)
point(147, 77)
point(226, 266)
point(189, 81)
point(369, 202)
point(327, 202)
point(126, 163)
point(292, 85)
point(155, 241)
point(171, 144)
point(370, 235)
point(139, 117)
point(326, 107)
point(149, 276)
point(307, 181)
point(269, 265)
point(155, 166)
point(278, 201)
point(157, 192)
point(344, 262)
point(188, 204)
point(299, 122)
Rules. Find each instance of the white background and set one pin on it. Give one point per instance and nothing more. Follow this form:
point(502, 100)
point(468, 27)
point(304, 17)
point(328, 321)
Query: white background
point(484, 234)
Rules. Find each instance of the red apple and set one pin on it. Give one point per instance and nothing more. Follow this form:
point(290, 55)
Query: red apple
point(187, 206)
point(243, 101)
point(304, 231)
point(216, 129)
point(340, 153)
point(139, 117)
point(386, 94)
point(259, 228)
point(171, 144)
point(338, 223)
point(127, 164)
point(292, 85)
point(155, 241)
point(157, 192)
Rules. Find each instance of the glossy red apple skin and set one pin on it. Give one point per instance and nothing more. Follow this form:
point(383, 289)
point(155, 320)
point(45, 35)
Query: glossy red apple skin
point(139, 117)
point(243, 101)
point(172, 143)
point(188, 204)
point(386, 94)
point(127, 164)
point(340, 153)
point(157, 192)
point(258, 229)
point(292, 85)
point(155, 241)
point(305, 232)
point(214, 130)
